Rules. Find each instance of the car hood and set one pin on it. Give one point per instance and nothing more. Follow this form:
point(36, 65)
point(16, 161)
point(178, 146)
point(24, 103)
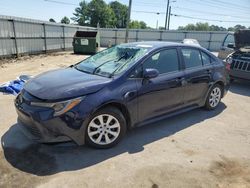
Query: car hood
point(64, 83)
point(242, 38)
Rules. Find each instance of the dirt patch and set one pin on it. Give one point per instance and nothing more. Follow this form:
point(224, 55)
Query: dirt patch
point(11, 177)
point(190, 152)
point(224, 173)
point(231, 173)
point(36, 64)
point(172, 175)
point(28, 57)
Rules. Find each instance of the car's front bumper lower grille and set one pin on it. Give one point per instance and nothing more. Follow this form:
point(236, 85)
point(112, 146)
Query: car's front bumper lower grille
point(34, 131)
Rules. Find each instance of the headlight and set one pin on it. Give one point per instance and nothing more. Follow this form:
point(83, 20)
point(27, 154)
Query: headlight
point(59, 107)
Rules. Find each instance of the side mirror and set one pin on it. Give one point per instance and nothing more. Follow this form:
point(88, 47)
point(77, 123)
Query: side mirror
point(150, 73)
point(230, 45)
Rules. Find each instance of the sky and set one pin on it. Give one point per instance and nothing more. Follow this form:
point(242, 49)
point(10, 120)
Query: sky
point(218, 12)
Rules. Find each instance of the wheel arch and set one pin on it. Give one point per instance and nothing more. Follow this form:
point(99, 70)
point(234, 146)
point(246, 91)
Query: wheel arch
point(121, 107)
point(220, 82)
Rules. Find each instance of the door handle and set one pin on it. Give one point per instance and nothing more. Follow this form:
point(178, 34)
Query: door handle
point(183, 81)
point(129, 94)
point(209, 71)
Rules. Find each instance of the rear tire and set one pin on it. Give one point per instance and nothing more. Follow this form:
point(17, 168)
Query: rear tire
point(214, 97)
point(106, 128)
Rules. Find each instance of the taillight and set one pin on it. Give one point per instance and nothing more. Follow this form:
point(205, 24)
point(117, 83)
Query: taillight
point(228, 66)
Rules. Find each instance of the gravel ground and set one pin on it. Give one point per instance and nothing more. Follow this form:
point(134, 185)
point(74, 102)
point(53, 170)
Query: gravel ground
point(195, 149)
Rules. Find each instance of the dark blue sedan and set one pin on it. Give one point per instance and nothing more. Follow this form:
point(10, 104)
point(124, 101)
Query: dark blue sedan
point(98, 99)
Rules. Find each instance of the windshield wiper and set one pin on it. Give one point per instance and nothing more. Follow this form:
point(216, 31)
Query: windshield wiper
point(95, 70)
point(119, 59)
point(81, 70)
point(112, 74)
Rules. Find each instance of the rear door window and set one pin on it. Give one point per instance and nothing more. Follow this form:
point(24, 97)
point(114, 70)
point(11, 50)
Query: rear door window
point(192, 58)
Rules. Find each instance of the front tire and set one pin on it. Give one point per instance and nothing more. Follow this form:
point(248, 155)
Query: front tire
point(106, 128)
point(214, 97)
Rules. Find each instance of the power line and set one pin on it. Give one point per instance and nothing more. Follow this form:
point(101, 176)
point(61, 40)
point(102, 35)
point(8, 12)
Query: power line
point(191, 17)
point(148, 12)
point(139, 4)
point(222, 3)
point(147, 5)
point(217, 6)
point(61, 2)
point(210, 13)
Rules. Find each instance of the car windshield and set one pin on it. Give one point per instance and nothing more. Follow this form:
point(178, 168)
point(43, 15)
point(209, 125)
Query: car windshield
point(111, 61)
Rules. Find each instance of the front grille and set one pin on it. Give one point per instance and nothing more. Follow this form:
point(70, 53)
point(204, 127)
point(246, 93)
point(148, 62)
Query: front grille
point(34, 131)
point(240, 65)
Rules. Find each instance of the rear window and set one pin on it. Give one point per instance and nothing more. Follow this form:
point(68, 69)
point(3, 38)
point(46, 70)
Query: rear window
point(192, 57)
point(205, 58)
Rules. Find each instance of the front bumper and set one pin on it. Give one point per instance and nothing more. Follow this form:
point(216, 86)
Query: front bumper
point(38, 132)
point(49, 130)
point(240, 74)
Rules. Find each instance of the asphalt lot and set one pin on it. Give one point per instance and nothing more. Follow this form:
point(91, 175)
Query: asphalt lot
point(195, 149)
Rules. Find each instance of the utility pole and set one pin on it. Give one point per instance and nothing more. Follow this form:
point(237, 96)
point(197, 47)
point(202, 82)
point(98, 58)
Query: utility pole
point(169, 16)
point(128, 20)
point(157, 20)
point(166, 20)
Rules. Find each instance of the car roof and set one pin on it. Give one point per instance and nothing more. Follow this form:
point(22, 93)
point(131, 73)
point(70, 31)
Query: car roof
point(156, 44)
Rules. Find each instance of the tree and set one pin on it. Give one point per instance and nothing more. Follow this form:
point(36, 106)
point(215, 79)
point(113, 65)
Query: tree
point(202, 26)
point(94, 12)
point(143, 25)
point(101, 13)
point(238, 27)
point(188, 27)
point(65, 20)
point(51, 20)
point(82, 14)
point(137, 25)
point(120, 12)
point(217, 28)
point(206, 27)
point(134, 24)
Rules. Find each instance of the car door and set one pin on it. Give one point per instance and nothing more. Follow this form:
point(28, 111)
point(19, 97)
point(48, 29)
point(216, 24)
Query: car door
point(198, 70)
point(163, 93)
point(225, 50)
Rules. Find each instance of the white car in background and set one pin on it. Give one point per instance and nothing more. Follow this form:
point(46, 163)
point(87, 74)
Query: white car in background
point(191, 42)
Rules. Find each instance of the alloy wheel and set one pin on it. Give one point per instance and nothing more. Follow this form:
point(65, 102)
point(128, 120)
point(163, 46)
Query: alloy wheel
point(215, 97)
point(104, 129)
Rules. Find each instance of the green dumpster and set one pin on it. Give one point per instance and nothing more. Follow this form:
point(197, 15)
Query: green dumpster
point(86, 42)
